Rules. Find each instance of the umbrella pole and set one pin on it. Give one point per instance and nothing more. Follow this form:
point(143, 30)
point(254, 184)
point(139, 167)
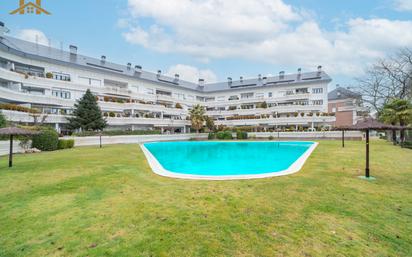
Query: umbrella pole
point(367, 154)
point(343, 138)
point(11, 152)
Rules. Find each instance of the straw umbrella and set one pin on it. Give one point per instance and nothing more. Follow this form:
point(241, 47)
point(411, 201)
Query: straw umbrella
point(13, 131)
point(366, 125)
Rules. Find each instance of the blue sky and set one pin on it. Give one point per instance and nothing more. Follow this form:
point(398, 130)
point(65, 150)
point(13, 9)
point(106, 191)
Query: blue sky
point(215, 39)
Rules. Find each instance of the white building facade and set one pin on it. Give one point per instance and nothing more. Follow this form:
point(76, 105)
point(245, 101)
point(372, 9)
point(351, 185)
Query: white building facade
point(50, 81)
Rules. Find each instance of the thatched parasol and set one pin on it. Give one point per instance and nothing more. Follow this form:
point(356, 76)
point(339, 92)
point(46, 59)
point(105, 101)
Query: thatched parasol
point(14, 131)
point(365, 125)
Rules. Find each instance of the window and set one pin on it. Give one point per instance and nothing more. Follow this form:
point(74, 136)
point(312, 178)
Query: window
point(260, 95)
point(318, 90)
point(317, 102)
point(233, 97)
point(270, 94)
point(90, 81)
point(220, 98)
point(246, 95)
point(61, 94)
point(61, 76)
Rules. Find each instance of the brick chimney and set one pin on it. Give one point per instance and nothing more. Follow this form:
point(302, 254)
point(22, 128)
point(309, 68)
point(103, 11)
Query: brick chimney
point(21, 3)
point(38, 3)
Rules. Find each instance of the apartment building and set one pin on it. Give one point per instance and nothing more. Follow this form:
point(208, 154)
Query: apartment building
point(346, 105)
point(50, 80)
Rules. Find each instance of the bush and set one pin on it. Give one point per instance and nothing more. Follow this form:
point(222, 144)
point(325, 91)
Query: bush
point(211, 136)
point(271, 138)
point(49, 75)
point(224, 135)
point(65, 143)
point(241, 134)
point(406, 145)
point(47, 140)
point(178, 106)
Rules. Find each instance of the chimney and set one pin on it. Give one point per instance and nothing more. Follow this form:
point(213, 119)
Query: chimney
point(129, 65)
point(299, 74)
point(38, 3)
point(138, 68)
point(159, 73)
point(21, 4)
point(260, 77)
point(201, 83)
point(73, 49)
point(264, 80)
point(281, 75)
point(229, 81)
point(103, 59)
point(319, 70)
point(241, 79)
point(176, 77)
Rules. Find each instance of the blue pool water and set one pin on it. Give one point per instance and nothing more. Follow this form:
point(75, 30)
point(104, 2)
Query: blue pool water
point(226, 158)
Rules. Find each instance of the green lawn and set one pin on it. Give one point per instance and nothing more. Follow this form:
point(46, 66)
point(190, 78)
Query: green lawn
point(106, 202)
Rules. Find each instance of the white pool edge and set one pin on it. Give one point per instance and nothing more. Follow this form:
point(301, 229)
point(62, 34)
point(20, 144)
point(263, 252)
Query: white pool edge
point(295, 167)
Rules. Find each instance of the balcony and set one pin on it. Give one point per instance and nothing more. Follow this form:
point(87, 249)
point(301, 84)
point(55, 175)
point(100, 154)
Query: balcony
point(278, 121)
point(24, 117)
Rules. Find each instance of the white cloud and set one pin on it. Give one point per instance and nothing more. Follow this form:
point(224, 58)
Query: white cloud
point(190, 73)
point(403, 5)
point(263, 30)
point(31, 34)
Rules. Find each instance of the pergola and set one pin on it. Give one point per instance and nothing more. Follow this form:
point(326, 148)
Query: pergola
point(366, 125)
point(14, 131)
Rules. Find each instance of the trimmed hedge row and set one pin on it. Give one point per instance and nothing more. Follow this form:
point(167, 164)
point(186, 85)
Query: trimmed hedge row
point(65, 144)
point(227, 135)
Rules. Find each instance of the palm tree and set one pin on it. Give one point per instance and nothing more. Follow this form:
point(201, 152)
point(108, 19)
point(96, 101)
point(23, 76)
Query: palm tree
point(197, 117)
point(397, 112)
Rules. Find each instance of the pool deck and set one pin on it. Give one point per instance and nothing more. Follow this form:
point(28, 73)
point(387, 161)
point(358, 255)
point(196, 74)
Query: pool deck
point(159, 170)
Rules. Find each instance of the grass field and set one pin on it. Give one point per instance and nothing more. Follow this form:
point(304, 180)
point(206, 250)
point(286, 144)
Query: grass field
point(106, 202)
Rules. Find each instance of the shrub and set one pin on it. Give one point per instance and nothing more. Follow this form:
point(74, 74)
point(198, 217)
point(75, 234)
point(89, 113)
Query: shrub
point(178, 106)
point(211, 136)
point(65, 143)
point(220, 135)
point(46, 140)
point(406, 145)
point(49, 75)
point(112, 114)
point(241, 134)
point(271, 138)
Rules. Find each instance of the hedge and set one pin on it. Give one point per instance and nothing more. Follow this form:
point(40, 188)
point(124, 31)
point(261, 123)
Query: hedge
point(241, 135)
point(47, 140)
point(65, 143)
point(224, 135)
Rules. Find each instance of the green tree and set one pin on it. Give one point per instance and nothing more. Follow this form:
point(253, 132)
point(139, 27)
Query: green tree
point(197, 117)
point(397, 112)
point(210, 124)
point(3, 121)
point(87, 115)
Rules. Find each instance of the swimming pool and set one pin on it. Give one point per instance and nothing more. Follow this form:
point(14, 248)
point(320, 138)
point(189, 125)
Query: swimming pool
point(226, 160)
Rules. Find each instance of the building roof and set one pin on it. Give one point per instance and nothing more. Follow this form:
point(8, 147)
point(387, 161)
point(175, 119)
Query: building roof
point(342, 93)
point(58, 56)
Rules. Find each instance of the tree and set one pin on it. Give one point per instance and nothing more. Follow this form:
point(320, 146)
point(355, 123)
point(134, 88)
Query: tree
point(210, 124)
point(197, 117)
point(389, 78)
point(3, 121)
point(397, 112)
point(87, 114)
